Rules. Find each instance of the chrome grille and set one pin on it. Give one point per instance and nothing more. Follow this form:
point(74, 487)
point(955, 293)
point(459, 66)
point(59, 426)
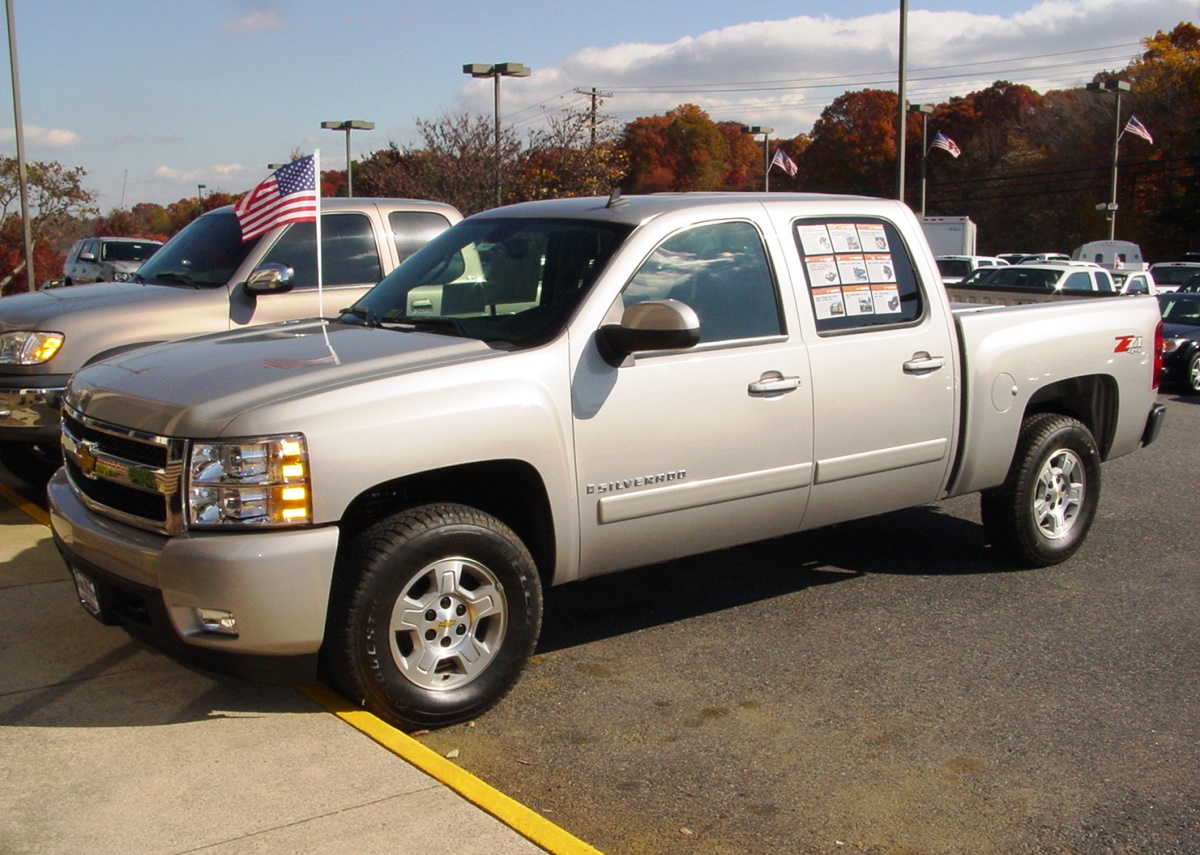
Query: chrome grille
point(125, 474)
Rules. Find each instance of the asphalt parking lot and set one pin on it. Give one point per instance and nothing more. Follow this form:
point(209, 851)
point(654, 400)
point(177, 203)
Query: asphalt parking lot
point(885, 686)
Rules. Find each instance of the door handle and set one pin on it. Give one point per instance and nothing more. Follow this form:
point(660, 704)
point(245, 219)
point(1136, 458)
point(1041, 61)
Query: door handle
point(773, 383)
point(923, 362)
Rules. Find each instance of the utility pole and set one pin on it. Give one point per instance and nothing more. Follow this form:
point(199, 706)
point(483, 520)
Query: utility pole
point(595, 95)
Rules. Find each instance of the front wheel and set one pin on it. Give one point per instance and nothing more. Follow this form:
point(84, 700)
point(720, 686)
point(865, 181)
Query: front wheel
point(1042, 512)
point(440, 610)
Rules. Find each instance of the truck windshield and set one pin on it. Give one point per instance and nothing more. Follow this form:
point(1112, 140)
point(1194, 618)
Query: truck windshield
point(203, 255)
point(504, 281)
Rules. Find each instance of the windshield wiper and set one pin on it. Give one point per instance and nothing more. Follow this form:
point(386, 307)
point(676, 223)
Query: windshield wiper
point(431, 323)
point(370, 316)
point(173, 276)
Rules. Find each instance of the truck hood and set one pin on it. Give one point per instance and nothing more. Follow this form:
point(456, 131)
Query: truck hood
point(206, 382)
point(40, 309)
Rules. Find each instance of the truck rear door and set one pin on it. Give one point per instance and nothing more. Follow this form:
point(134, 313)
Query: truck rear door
point(883, 358)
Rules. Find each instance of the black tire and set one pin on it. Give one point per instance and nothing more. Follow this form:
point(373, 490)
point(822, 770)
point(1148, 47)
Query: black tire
point(1042, 512)
point(32, 462)
point(1191, 379)
point(456, 649)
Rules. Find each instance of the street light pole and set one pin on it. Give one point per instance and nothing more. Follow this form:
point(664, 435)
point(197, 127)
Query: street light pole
point(496, 71)
point(348, 126)
point(1116, 87)
point(924, 110)
point(902, 86)
point(766, 132)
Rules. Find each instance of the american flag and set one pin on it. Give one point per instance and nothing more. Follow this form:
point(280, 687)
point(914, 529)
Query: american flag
point(784, 162)
point(944, 142)
point(289, 195)
point(1133, 126)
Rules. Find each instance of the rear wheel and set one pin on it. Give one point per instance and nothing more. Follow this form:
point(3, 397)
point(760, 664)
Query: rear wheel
point(1042, 513)
point(32, 462)
point(441, 611)
point(1192, 381)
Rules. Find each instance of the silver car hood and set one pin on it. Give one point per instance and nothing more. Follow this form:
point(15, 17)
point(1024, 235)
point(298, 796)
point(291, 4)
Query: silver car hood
point(38, 311)
point(199, 385)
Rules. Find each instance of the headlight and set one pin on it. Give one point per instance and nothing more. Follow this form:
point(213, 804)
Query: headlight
point(1170, 345)
point(261, 481)
point(29, 347)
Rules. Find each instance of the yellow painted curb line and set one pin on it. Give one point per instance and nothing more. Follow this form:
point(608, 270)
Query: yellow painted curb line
point(20, 502)
point(512, 813)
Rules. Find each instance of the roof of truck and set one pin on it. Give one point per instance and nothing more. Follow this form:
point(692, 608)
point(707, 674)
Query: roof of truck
point(638, 209)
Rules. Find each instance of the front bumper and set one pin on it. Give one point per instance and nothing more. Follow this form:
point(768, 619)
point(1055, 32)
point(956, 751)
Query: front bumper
point(30, 412)
point(274, 583)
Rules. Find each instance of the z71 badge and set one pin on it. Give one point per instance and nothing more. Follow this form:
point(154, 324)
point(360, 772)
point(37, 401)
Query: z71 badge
point(1128, 344)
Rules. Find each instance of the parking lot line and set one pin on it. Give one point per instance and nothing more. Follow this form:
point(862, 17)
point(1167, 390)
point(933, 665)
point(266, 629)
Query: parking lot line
point(512, 813)
point(18, 501)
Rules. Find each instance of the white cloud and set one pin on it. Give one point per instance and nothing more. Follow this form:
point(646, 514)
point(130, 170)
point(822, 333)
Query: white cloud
point(49, 138)
point(784, 73)
point(255, 22)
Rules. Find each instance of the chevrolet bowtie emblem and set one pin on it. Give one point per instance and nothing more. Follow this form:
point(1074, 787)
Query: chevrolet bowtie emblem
point(85, 453)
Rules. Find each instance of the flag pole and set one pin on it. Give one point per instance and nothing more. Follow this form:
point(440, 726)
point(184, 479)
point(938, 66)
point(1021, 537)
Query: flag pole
point(320, 272)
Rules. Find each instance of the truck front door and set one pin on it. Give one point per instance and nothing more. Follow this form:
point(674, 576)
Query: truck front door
point(688, 451)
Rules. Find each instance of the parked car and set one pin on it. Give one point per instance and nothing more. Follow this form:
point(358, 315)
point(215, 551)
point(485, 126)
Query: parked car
point(1134, 282)
point(206, 279)
point(1035, 283)
point(106, 259)
point(954, 267)
point(1012, 257)
point(1181, 340)
point(1043, 257)
point(1192, 285)
point(1169, 275)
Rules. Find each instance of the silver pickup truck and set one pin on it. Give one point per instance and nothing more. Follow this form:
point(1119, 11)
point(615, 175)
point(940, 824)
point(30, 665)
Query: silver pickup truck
point(204, 280)
point(560, 389)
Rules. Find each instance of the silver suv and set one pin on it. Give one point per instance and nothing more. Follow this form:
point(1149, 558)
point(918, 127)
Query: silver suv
point(106, 259)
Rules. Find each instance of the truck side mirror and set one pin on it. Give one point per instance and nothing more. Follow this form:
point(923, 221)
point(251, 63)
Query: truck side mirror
point(651, 325)
point(270, 278)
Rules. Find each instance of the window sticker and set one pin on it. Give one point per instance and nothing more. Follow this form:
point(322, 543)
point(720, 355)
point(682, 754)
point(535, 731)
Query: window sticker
point(844, 237)
point(858, 275)
point(880, 267)
point(822, 271)
point(814, 239)
point(858, 300)
point(873, 237)
point(852, 268)
point(828, 303)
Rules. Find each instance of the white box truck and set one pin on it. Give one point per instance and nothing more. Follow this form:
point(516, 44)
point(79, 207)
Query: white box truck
point(950, 235)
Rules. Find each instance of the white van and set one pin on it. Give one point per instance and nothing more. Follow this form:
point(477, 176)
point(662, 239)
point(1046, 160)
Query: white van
point(1113, 254)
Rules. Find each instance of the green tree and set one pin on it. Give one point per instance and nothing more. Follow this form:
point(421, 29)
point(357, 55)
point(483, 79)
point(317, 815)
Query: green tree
point(684, 150)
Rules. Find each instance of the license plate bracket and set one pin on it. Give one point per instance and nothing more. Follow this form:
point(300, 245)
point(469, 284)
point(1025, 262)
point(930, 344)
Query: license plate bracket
point(89, 594)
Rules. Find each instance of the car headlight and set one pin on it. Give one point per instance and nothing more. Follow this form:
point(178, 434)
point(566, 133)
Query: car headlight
point(258, 482)
point(1170, 345)
point(29, 347)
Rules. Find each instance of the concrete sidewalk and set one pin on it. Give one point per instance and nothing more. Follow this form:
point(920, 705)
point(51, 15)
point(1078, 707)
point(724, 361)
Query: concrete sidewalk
point(106, 746)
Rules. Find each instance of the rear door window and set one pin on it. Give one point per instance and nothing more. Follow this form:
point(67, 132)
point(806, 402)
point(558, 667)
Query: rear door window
point(413, 229)
point(860, 275)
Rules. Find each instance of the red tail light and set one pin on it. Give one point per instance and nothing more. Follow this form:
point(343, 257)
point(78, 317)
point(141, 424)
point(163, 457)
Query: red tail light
point(1158, 355)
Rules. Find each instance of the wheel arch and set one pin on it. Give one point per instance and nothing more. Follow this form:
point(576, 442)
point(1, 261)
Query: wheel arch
point(510, 490)
point(1094, 400)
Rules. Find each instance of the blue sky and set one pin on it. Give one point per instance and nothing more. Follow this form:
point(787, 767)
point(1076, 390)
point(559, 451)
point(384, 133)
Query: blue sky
point(153, 98)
